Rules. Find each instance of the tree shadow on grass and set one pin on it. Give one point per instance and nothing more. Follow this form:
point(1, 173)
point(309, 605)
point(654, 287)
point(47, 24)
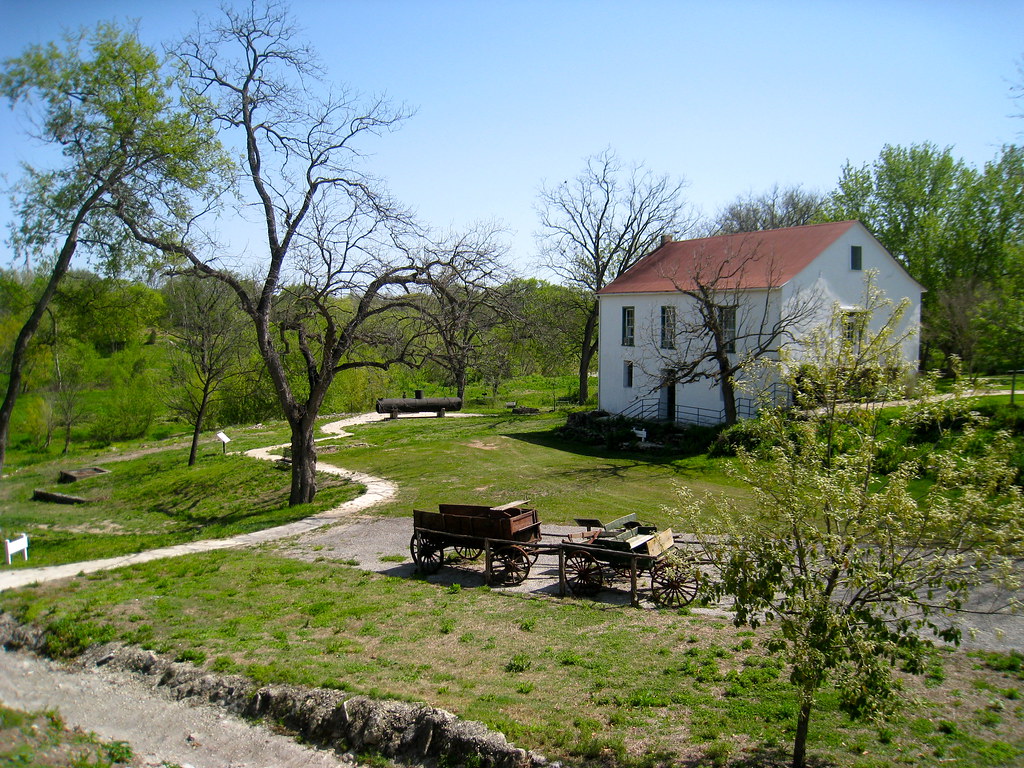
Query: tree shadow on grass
point(625, 459)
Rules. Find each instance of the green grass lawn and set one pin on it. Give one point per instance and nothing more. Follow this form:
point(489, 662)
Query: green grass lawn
point(575, 679)
point(494, 459)
point(151, 501)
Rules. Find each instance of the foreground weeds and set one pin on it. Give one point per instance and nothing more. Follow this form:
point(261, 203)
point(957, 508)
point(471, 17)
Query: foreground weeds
point(41, 740)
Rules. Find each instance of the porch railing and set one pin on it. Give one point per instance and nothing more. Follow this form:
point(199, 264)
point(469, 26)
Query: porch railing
point(653, 409)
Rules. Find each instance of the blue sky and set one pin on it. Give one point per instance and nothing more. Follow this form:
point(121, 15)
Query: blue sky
point(731, 96)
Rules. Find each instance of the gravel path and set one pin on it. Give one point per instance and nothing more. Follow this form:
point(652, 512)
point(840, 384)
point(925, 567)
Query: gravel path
point(378, 490)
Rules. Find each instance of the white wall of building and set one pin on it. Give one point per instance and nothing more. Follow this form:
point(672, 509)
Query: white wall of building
point(828, 281)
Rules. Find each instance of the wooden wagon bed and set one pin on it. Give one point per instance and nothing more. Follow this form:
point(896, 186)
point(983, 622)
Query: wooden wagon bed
point(506, 531)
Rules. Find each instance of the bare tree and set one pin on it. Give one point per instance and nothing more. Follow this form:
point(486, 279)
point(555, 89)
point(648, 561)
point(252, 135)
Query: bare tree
point(597, 226)
point(733, 316)
point(68, 405)
point(336, 272)
point(466, 301)
point(209, 334)
point(774, 209)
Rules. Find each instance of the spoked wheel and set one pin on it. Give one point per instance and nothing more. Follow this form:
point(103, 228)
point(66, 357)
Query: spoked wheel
point(583, 573)
point(467, 553)
point(511, 566)
point(674, 585)
point(427, 555)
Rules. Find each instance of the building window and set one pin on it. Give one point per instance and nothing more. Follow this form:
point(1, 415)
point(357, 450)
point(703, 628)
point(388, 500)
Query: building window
point(628, 326)
point(668, 327)
point(727, 322)
point(627, 375)
point(854, 324)
point(856, 258)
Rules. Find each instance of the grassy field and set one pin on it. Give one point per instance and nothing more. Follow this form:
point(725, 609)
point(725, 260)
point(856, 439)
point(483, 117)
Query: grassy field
point(573, 678)
point(500, 458)
point(149, 500)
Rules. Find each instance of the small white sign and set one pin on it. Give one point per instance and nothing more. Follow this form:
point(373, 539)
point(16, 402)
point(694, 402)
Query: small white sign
point(18, 545)
point(223, 438)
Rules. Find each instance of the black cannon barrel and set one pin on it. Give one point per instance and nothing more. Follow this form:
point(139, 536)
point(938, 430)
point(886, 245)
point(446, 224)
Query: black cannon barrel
point(418, 404)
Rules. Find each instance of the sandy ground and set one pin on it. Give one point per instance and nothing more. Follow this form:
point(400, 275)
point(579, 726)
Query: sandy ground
point(366, 540)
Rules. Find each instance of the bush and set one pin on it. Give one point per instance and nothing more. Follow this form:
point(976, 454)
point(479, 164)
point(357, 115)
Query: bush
point(746, 434)
point(866, 384)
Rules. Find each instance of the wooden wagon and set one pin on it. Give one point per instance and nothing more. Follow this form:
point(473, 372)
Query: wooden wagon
point(467, 529)
point(626, 547)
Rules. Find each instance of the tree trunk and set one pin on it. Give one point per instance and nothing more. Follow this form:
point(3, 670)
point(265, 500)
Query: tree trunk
point(800, 743)
point(28, 330)
point(199, 425)
point(728, 394)
point(587, 352)
point(303, 463)
point(460, 382)
point(20, 351)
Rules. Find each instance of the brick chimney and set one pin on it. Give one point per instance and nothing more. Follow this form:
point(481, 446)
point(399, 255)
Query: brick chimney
point(666, 239)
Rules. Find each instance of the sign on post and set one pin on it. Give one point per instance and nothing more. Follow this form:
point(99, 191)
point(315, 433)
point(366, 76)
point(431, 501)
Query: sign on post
point(20, 544)
point(224, 439)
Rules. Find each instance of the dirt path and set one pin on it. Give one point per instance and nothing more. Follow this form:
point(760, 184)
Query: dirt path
point(120, 707)
point(378, 490)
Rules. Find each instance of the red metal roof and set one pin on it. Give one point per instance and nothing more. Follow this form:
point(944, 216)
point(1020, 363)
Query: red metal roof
point(748, 260)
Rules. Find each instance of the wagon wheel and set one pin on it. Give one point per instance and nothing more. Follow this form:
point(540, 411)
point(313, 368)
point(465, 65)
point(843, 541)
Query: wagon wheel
point(583, 573)
point(466, 552)
point(674, 584)
point(623, 569)
point(427, 555)
point(511, 566)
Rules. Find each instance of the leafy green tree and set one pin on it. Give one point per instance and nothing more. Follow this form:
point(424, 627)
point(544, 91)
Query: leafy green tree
point(71, 381)
point(1001, 318)
point(856, 549)
point(104, 101)
point(949, 224)
point(108, 313)
point(129, 401)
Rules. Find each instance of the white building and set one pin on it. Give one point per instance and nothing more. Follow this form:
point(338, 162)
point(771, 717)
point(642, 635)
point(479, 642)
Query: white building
point(765, 289)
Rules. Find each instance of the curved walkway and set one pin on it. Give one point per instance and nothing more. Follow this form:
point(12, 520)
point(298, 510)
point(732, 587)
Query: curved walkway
point(378, 490)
